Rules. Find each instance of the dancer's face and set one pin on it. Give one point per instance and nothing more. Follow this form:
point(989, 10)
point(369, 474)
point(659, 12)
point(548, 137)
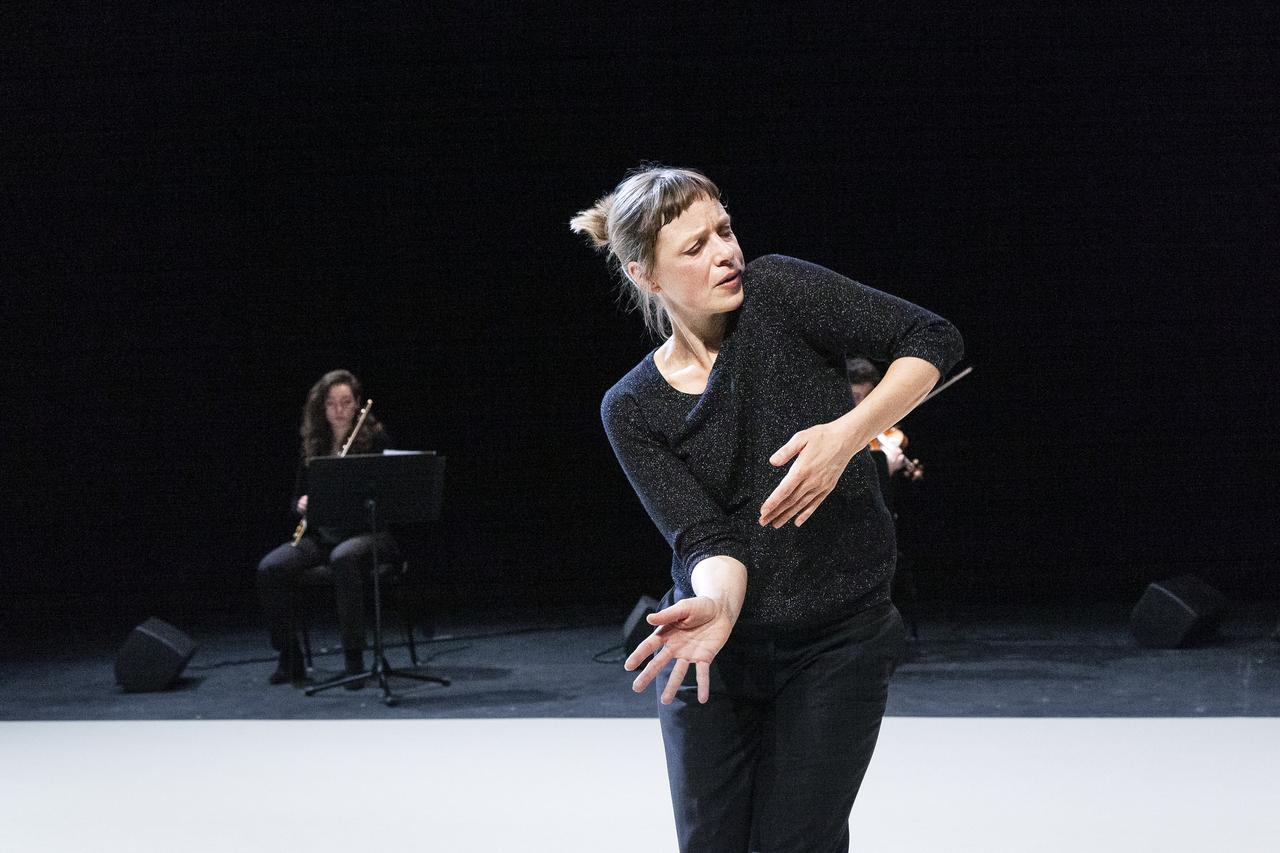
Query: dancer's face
point(698, 265)
point(340, 409)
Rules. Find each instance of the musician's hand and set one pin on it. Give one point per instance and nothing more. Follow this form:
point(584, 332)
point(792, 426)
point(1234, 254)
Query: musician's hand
point(302, 505)
point(893, 455)
point(821, 454)
point(690, 631)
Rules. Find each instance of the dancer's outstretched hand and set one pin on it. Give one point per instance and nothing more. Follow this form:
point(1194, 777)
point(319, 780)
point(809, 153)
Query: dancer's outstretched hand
point(691, 631)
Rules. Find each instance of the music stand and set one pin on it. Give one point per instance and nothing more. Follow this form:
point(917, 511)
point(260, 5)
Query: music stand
point(376, 489)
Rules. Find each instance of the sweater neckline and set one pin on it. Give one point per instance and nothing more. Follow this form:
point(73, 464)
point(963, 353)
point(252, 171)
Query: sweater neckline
point(726, 345)
point(653, 365)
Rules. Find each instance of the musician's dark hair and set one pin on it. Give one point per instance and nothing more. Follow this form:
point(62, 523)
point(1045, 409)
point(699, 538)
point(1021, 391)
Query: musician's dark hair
point(860, 370)
point(317, 436)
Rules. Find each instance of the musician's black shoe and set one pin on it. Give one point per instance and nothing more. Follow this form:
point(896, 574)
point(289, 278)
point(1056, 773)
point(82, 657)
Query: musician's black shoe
point(355, 666)
point(290, 668)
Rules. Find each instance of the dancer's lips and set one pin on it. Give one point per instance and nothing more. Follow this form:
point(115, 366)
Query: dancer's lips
point(732, 280)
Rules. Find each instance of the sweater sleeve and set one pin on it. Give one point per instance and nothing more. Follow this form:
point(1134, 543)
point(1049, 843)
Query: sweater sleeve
point(299, 487)
point(839, 316)
point(693, 524)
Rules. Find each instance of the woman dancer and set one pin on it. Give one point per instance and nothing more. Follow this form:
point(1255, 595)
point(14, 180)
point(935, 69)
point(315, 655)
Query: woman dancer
point(737, 434)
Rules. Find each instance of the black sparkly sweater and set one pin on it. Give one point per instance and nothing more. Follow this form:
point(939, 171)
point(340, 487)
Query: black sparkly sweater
point(700, 463)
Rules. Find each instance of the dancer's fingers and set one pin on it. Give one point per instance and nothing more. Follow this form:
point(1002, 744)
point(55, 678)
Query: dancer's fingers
point(673, 683)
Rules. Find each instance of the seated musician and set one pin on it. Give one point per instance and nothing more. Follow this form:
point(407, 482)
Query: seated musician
point(328, 418)
point(890, 460)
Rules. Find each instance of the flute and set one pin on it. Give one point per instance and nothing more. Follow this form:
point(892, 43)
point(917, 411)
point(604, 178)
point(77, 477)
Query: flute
point(302, 525)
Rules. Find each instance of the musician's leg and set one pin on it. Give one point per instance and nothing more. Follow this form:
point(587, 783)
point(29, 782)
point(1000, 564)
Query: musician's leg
point(276, 579)
point(350, 561)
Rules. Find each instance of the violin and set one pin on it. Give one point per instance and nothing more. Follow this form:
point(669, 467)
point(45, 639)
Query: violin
point(911, 468)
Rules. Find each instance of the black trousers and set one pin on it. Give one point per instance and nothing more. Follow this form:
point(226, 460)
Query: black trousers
point(350, 559)
point(773, 762)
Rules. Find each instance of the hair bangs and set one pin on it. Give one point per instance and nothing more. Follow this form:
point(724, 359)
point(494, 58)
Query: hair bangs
point(675, 190)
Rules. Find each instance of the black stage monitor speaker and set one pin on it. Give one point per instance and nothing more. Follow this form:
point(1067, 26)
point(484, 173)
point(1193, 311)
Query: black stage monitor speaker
point(635, 629)
point(152, 657)
point(1177, 611)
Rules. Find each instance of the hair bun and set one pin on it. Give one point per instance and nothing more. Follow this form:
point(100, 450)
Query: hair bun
point(594, 222)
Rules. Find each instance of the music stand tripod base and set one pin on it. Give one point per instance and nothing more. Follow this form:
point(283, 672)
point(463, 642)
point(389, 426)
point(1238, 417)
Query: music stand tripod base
point(381, 671)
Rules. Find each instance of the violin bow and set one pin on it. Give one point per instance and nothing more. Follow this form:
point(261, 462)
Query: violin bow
point(945, 385)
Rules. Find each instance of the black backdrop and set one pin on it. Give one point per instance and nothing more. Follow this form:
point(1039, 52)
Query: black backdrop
point(208, 207)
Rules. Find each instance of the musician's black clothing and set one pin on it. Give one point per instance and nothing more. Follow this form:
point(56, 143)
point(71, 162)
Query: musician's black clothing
point(348, 551)
point(278, 576)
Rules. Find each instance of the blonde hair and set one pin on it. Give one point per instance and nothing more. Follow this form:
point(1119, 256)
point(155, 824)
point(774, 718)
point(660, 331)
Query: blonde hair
point(625, 223)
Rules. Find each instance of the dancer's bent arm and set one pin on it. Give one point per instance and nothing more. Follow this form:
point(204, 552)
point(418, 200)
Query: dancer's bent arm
point(822, 452)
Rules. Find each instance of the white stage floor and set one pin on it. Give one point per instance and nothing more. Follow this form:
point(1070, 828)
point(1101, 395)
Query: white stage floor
point(938, 785)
